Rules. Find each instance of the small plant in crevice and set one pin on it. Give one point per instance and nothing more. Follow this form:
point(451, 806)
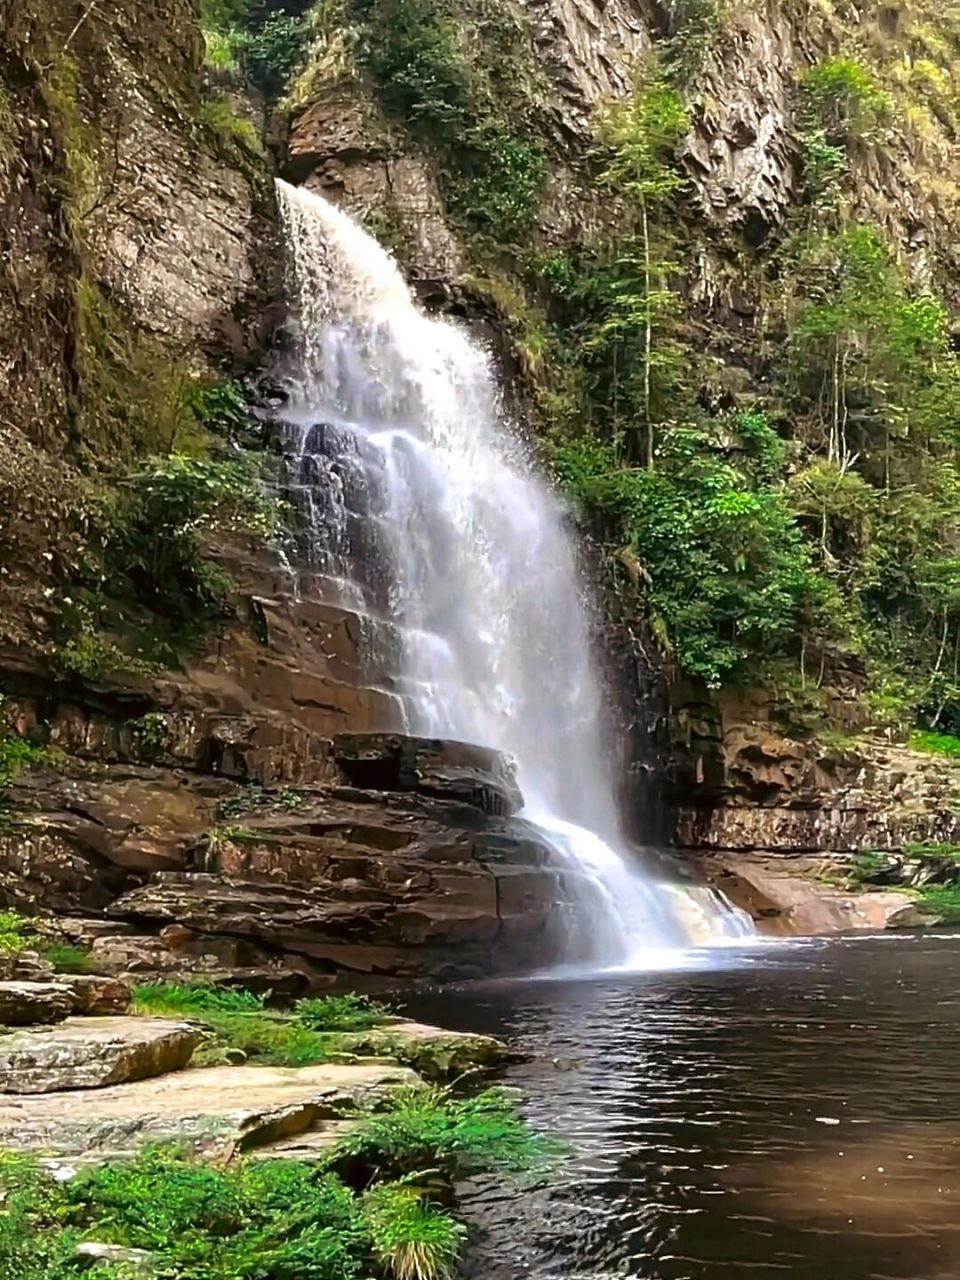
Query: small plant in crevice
point(228, 128)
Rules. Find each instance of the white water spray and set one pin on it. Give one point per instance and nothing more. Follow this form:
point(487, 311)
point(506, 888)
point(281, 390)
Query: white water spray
point(482, 580)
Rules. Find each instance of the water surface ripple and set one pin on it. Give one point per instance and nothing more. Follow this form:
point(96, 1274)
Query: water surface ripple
point(795, 1113)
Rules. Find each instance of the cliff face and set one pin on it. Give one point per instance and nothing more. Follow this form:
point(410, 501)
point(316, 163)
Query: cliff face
point(141, 276)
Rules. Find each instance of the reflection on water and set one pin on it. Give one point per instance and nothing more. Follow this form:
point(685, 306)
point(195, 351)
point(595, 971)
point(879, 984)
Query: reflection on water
point(795, 1115)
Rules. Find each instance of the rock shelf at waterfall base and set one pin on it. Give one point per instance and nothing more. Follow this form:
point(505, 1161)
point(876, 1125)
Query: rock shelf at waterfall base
point(98, 1112)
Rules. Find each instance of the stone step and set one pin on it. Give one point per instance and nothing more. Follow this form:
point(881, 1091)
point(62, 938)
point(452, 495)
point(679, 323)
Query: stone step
point(215, 1110)
point(92, 1053)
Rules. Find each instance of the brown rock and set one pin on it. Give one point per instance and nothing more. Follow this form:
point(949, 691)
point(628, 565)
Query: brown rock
point(434, 767)
point(85, 1053)
point(97, 996)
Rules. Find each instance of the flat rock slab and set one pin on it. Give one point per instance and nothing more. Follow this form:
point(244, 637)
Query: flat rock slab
point(85, 1053)
point(433, 1052)
point(23, 1003)
point(216, 1110)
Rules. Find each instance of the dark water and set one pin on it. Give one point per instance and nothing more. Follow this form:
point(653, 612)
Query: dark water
point(796, 1114)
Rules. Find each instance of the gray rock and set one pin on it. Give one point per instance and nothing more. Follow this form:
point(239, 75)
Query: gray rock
point(217, 1110)
point(85, 1053)
point(23, 1003)
point(136, 1262)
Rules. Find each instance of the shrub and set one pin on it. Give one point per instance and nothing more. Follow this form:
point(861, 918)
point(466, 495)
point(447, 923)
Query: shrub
point(843, 97)
point(431, 1129)
point(16, 933)
point(726, 573)
point(413, 1239)
point(16, 754)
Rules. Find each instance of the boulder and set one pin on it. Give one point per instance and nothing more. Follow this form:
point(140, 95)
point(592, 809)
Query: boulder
point(90, 1053)
point(433, 1053)
point(431, 766)
point(23, 1003)
point(216, 1110)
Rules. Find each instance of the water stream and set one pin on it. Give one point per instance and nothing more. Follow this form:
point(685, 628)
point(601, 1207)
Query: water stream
point(434, 522)
point(792, 1113)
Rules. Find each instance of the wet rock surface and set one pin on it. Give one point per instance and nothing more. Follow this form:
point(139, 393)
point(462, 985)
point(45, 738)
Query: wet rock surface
point(425, 876)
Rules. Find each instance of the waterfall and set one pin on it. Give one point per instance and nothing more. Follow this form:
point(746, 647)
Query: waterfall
point(480, 577)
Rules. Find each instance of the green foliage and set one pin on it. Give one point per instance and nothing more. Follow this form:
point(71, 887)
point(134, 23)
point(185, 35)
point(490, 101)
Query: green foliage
point(462, 79)
point(220, 50)
point(240, 1021)
point(150, 732)
point(253, 797)
point(16, 754)
point(932, 849)
point(340, 1013)
point(843, 98)
point(639, 136)
point(66, 958)
point(219, 406)
point(432, 1129)
point(269, 1219)
point(16, 933)
point(194, 999)
point(942, 901)
point(727, 576)
point(236, 834)
point(938, 744)
point(229, 129)
point(824, 167)
point(694, 28)
point(271, 54)
point(870, 867)
point(411, 1238)
point(171, 505)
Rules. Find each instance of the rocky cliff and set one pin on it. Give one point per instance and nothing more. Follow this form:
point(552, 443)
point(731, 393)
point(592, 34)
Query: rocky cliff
point(142, 281)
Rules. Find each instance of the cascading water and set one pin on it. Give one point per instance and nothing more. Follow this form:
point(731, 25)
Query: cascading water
point(482, 585)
